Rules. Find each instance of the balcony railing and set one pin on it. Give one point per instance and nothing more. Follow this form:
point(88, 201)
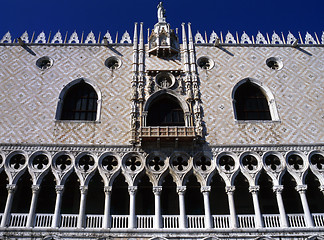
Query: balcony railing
point(18, 220)
point(177, 132)
point(296, 220)
point(271, 220)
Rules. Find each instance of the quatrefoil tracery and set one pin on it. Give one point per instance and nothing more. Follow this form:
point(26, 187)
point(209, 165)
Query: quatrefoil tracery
point(133, 163)
point(156, 163)
point(63, 162)
point(203, 163)
point(317, 160)
point(180, 163)
point(109, 163)
point(17, 161)
point(40, 161)
point(273, 162)
point(250, 162)
point(86, 162)
point(227, 163)
point(295, 161)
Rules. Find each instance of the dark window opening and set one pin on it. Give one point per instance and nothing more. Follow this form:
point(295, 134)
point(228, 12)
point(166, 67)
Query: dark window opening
point(23, 194)
point(251, 103)
point(144, 197)
point(47, 195)
point(218, 198)
point(267, 198)
point(169, 197)
point(165, 112)
point(290, 196)
point(95, 196)
point(315, 197)
point(119, 196)
point(71, 195)
point(242, 196)
point(193, 197)
point(80, 103)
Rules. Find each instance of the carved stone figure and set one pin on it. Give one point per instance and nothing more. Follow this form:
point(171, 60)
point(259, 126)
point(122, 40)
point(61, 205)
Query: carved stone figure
point(160, 12)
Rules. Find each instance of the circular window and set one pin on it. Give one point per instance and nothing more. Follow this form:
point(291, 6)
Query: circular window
point(44, 63)
point(274, 63)
point(205, 63)
point(113, 63)
point(165, 80)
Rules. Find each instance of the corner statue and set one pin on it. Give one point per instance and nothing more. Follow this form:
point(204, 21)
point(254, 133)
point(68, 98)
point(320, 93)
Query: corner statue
point(161, 12)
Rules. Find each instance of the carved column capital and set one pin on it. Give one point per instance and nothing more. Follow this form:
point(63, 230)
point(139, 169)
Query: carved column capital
point(230, 189)
point(205, 189)
point(107, 189)
point(254, 189)
point(59, 188)
point(35, 188)
point(278, 188)
point(157, 190)
point(11, 188)
point(132, 190)
point(181, 189)
point(301, 188)
point(84, 189)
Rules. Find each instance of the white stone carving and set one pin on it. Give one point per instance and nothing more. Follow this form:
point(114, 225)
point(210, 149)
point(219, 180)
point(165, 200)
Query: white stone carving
point(126, 38)
point(199, 38)
point(245, 39)
point(24, 37)
point(57, 38)
point(276, 39)
point(323, 37)
point(309, 39)
point(41, 38)
point(260, 39)
point(74, 38)
point(6, 38)
point(108, 37)
point(90, 38)
point(291, 38)
point(213, 37)
point(229, 38)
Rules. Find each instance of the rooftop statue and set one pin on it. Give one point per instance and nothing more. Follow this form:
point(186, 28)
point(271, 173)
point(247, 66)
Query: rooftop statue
point(161, 12)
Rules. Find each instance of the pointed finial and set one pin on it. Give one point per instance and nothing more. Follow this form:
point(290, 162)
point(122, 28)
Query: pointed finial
point(161, 12)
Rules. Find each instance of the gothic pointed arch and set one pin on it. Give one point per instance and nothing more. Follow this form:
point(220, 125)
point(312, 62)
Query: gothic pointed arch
point(79, 100)
point(164, 108)
point(253, 101)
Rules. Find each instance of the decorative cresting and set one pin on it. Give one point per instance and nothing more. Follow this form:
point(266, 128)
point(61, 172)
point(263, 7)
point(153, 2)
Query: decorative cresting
point(90, 38)
point(163, 41)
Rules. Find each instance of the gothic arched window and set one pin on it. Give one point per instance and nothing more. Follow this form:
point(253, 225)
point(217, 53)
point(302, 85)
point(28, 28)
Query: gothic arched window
point(165, 111)
point(80, 103)
point(251, 103)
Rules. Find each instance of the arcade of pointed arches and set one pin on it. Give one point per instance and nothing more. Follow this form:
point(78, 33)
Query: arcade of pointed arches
point(226, 184)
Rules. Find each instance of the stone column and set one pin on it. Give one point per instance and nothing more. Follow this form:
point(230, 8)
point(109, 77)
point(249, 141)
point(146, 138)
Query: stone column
point(302, 193)
point(81, 218)
point(132, 217)
point(230, 192)
point(258, 217)
point(208, 219)
point(283, 217)
point(32, 209)
point(182, 217)
point(57, 211)
point(6, 215)
point(107, 217)
point(157, 197)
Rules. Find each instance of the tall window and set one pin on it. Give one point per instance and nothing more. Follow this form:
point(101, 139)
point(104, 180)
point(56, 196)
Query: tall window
point(80, 103)
point(250, 103)
point(165, 111)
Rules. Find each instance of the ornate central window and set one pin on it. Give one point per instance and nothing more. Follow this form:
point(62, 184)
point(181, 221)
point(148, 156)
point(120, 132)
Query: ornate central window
point(165, 111)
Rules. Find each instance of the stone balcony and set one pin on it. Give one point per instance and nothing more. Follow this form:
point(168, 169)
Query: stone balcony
point(172, 132)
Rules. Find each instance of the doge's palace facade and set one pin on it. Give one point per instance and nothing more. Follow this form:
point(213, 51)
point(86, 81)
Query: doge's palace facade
point(162, 135)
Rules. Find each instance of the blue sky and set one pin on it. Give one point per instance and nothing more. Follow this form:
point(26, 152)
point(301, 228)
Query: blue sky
point(207, 15)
